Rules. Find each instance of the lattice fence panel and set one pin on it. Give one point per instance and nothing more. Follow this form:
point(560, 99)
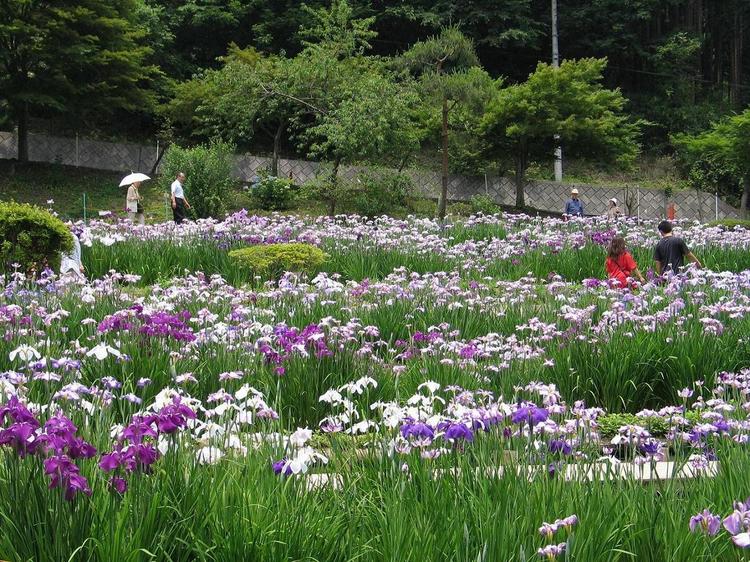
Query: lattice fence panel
point(543, 195)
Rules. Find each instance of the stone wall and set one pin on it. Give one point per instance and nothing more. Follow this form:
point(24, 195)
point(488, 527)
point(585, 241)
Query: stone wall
point(542, 195)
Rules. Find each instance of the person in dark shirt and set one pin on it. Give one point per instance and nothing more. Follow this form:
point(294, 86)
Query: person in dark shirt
point(671, 251)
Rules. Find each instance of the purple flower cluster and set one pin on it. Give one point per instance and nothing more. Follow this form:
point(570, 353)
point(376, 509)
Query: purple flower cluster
point(157, 324)
point(165, 325)
point(287, 341)
point(56, 443)
point(135, 450)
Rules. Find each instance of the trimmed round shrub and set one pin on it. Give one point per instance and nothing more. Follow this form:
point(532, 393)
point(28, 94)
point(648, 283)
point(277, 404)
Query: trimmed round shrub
point(275, 259)
point(31, 237)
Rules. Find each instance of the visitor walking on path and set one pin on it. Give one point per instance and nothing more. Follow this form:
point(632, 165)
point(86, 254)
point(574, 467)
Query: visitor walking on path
point(134, 204)
point(614, 211)
point(179, 202)
point(620, 265)
point(670, 252)
point(574, 206)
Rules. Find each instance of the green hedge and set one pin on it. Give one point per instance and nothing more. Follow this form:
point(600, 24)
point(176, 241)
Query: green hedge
point(31, 237)
point(275, 259)
point(731, 223)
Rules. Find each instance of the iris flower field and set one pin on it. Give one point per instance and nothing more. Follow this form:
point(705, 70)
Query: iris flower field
point(474, 391)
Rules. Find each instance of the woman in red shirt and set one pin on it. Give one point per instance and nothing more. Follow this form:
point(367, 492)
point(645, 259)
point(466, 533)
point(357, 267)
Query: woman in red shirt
point(620, 264)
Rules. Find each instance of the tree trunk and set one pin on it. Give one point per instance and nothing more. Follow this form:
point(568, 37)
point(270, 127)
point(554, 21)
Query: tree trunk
point(520, 178)
point(276, 147)
point(735, 61)
point(745, 201)
point(334, 187)
point(442, 205)
point(22, 115)
point(159, 156)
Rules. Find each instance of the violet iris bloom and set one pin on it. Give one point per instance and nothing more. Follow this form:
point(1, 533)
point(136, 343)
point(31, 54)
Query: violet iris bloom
point(458, 431)
point(282, 467)
point(530, 414)
point(706, 521)
point(418, 433)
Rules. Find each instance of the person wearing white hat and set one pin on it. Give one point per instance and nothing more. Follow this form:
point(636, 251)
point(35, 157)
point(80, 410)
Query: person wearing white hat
point(614, 211)
point(574, 206)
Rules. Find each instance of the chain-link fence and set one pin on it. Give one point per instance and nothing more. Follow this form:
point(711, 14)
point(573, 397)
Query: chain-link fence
point(542, 195)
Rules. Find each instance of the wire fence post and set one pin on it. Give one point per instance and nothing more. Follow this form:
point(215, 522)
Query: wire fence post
point(84, 207)
point(638, 203)
point(716, 204)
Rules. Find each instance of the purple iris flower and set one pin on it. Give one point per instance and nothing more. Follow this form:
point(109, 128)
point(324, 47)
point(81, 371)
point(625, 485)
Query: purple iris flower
point(650, 447)
point(418, 433)
point(138, 429)
point(17, 412)
point(20, 437)
point(110, 461)
point(459, 431)
point(560, 446)
point(65, 474)
point(278, 467)
point(120, 485)
point(707, 522)
point(531, 414)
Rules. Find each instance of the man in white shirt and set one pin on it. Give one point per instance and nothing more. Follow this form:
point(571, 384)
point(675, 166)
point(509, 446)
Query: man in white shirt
point(179, 203)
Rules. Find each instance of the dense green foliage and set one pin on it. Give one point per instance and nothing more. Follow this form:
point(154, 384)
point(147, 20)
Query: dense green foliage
point(327, 79)
point(377, 192)
point(31, 237)
point(208, 169)
point(274, 259)
point(522, 121)
point(719, 158)
point(83, 59)
point(272, 193)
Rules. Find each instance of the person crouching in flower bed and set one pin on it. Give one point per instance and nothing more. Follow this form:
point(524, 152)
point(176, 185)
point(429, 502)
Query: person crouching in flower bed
point(620, 265)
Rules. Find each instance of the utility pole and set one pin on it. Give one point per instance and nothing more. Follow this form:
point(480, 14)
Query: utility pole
point(556, 64)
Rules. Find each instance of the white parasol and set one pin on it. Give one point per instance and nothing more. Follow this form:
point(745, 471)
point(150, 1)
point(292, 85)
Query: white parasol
point(132, 178)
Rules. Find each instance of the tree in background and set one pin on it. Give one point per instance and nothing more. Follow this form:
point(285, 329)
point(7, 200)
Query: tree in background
point(719, 158)
point(569, 101)
point(80, 57)
point(235, 103)
point(350, 106)
point(449, 75)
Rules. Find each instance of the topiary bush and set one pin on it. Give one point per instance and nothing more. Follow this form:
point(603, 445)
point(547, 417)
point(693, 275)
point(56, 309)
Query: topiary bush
point(275, 259)
point(273, 194)
point(31, 237)
point(208, 169)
